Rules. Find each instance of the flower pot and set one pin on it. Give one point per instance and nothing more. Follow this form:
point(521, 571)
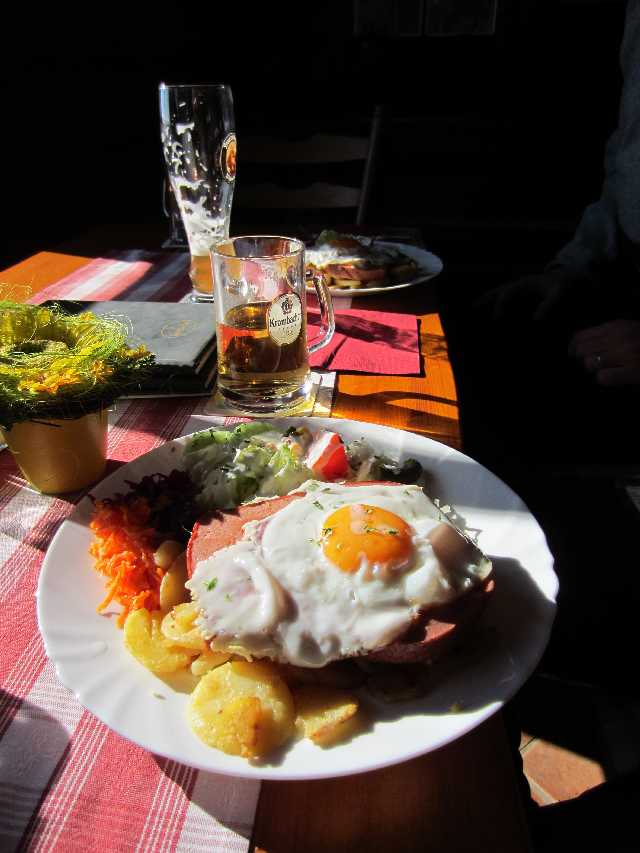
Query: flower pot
point(60, 455)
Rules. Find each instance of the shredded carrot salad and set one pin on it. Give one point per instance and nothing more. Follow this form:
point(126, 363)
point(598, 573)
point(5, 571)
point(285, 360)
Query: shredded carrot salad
point(123, 550)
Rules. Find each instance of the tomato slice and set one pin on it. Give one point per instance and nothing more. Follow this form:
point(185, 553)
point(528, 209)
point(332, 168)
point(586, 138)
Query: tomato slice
point(327, 457)
point(337, 465)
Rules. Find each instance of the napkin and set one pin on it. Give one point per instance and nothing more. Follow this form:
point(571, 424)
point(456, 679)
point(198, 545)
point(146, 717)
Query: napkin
point(368, 342)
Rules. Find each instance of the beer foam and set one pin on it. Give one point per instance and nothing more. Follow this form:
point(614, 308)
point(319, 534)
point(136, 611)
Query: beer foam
point(201, 227)
point(202, 195)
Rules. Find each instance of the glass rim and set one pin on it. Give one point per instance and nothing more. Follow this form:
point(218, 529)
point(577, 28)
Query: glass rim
point(300, 247)
point(163, 85)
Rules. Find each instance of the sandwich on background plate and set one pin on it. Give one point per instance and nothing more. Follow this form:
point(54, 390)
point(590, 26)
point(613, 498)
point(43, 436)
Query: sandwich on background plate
point(348, 262)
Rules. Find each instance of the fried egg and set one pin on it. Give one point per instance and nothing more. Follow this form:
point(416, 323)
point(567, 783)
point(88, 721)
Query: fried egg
point(336, 573)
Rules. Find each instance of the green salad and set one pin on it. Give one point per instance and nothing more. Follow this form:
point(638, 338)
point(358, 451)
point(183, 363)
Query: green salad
point(230, 467)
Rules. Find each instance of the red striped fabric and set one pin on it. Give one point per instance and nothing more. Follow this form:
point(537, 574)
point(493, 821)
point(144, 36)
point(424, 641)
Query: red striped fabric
point(133, 275)
point(67, 783)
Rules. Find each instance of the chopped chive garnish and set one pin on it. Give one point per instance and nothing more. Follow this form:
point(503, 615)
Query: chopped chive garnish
point(318, 504)
point(392, 531)
point(212, 584)
point(228, 596)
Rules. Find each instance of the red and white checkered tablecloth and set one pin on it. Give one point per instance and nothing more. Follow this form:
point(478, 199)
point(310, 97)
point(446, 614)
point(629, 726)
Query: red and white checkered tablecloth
point(135, 276)
point(67, 782)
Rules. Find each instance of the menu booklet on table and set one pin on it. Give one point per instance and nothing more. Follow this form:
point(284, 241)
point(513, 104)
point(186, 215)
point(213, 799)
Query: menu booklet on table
point(181, 335)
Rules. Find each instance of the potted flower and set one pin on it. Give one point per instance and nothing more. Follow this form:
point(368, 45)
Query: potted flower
point(59, 373)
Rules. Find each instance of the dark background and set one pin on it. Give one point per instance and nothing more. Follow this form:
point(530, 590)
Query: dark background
point(493, 144)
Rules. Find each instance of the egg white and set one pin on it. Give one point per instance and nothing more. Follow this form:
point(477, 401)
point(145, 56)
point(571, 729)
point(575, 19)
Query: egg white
point(275, 594)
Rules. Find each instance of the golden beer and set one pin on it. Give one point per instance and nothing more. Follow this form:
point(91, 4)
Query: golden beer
point(251, 363)
point(200, 274)
point(261, 322)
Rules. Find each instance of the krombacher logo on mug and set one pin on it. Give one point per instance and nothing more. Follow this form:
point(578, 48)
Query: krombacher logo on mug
point(284, 318)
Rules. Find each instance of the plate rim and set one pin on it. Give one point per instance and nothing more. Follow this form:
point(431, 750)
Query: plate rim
point(421, 277)
point(275, 773)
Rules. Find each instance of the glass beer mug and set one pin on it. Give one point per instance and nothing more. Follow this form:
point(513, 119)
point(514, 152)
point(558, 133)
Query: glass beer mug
point(261, 321)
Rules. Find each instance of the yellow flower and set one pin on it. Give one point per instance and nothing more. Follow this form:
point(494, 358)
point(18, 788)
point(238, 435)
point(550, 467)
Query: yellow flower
point(49, 382)
point(137, 353)
point(101, 371)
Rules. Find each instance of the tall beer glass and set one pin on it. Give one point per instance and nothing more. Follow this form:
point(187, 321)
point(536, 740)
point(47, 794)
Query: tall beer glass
point(199, 144)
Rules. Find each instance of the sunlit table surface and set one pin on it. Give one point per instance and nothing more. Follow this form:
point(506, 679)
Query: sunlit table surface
point(424, 404)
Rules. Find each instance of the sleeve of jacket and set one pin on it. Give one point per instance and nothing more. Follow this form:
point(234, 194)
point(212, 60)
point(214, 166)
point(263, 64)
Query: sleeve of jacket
point(613, 220)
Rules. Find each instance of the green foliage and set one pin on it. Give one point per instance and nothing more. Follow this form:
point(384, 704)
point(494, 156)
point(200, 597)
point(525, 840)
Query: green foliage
point(54, 365)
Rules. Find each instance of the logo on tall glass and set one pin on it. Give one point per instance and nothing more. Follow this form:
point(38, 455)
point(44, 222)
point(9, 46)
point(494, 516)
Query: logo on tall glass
point(228, 151)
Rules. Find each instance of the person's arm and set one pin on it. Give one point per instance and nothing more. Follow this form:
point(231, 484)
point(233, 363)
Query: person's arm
point(615, 217)
point(569, 291)
point(596, 243)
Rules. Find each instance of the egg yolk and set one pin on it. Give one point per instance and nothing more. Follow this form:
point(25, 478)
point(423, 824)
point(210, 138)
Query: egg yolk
point(360, 533)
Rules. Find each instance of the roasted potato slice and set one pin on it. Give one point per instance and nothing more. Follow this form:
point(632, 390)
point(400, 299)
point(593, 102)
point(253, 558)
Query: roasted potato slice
point(240, 727)
point(167, 552)
point(146, 642)
point(242, 708)
point(172, 585)
point(326, 715)
point(208, 660)
point(179, 627)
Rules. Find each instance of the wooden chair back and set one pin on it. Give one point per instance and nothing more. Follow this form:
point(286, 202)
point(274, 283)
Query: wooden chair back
point(300, 175)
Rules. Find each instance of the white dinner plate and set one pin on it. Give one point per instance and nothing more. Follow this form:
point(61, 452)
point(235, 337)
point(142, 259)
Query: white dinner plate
point(90, 658)
point(429, 266)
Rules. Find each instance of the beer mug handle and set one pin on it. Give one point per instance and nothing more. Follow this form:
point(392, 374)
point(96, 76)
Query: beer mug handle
point(326, 309)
